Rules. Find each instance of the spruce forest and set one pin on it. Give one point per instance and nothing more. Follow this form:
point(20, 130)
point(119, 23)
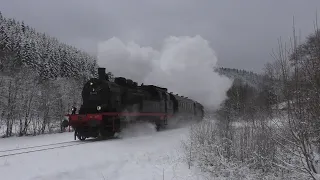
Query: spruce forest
point(41, 78)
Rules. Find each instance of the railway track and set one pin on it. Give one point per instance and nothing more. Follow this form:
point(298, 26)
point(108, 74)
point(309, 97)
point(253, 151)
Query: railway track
point(30, 149)
point(45, 147)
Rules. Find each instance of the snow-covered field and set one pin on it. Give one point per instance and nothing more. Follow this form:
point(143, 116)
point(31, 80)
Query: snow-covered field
point(152, 156)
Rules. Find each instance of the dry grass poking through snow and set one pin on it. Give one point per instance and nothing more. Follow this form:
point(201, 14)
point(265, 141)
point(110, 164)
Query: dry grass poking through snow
point(239, 152)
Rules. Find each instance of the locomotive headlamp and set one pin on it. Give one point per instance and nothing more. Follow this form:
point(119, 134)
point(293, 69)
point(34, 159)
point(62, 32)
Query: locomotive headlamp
point(98, 108)
point(73, 110)
point(91, 83)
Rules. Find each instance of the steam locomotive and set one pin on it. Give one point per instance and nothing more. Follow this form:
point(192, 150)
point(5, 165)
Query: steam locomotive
point(109, 106)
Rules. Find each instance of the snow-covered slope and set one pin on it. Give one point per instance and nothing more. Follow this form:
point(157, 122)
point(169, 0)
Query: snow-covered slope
point(147, 157)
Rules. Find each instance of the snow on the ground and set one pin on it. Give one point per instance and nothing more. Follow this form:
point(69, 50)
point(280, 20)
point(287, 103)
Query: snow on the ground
point(146, 157)
point(27, 141)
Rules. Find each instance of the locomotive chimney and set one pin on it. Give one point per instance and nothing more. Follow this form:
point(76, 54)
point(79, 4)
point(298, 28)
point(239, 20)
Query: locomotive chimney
point(102, 73)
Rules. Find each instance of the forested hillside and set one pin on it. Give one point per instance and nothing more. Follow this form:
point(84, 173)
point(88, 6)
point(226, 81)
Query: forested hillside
point(250, 93)
point(248, 77)
point(40, 78)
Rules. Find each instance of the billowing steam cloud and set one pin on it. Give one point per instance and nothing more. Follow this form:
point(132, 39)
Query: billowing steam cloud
point(184, 65)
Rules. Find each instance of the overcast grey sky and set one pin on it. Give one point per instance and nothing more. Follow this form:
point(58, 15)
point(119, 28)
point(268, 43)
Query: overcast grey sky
point(242, 32)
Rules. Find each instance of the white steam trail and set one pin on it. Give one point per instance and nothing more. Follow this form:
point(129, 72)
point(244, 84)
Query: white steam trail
point(184, 65)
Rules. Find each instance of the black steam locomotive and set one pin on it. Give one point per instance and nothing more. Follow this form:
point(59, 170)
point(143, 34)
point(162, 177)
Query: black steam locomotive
point(107, 107)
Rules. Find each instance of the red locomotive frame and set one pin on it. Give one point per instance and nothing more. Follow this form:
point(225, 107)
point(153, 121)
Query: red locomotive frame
point(81, 119)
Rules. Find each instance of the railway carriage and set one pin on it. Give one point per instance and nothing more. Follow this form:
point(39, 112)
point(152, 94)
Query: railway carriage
point(107, 107)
